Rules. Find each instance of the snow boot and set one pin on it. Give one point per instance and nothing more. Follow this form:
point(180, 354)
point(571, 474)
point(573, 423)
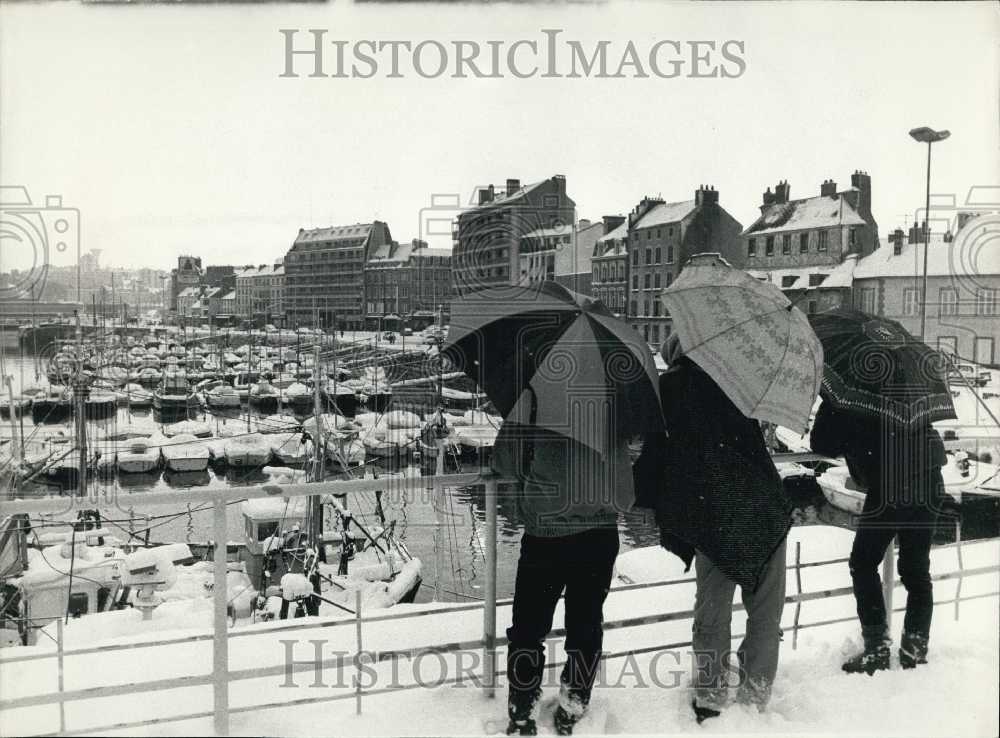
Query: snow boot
point(912, 650)
point(876, 655)
point(701, 714)
point(571, 708)
point(522, 709)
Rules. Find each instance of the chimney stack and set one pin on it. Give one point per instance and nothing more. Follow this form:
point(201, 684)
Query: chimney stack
point(916, 233)
point(896, 239)
point(828, 188)
point(611, 222)
point(706, 195)
point(781, 192)
point(486, 195)
point(768, 197)
point(513, 185)
point(862, 182)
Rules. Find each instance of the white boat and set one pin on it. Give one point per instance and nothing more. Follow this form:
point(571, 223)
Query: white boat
point(389, 443)
point(222, 395)
point(138, 456)
point(473, 438)
point(137, 395)
point(298, 397)
point(185, 453)
point(190, 427)
point(289, 449)
point(346, 452)
point(248, 450)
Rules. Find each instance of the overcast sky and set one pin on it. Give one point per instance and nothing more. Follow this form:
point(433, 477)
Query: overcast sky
point(172, 132)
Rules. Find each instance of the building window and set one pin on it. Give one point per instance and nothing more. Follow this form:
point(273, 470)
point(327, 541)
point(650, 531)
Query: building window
point(986, 302)
point(645, 333)
point(656, 334)
point(822, 241)
point(803, 243)
point(595, 274)
point(632, 308)
point(911, 301)
point(657, 256)
point(645, 308)
point(670, 278)
point(948, 301)
point(656, 280)
point(649, 256)
point(656, 308)
point(649, 235)
point(635, 258)
point(866, 300)
point(815, 280)
point(769, 246)
point(812, 307)
point(786, 244)
point(670, 254)
point(645, 281)
point(635, 281)
point(752, 247)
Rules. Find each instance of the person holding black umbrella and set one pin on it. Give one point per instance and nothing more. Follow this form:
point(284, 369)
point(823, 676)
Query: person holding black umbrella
point(881, 390)
point(575, 385)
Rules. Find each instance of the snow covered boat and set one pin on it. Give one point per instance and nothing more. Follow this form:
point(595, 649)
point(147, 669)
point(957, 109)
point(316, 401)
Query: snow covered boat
point(55, 406)
point(298, 397)
point(346, 453)
point(100, 404)
point(174, 400)
point(289, 449)
point(342, 398)
point(249, 450)
point(473, 439)
point(263, 396)
point(139, 456)
point(185, 453)
point(389, 444)
point(190, 427)
point(218, 394)
point(137, 396)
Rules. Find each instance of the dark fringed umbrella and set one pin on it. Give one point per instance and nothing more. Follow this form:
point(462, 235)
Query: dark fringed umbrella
point(874, 366)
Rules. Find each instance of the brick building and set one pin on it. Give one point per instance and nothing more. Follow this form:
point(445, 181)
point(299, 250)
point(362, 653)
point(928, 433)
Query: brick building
point(488, 236)
point(813, 231)
point(661, 237)
point(609, 265)
point(324, 274)
point(260, 292)
point(561, 254)
point(963, 289)
point(188, 273)
point(408, 283)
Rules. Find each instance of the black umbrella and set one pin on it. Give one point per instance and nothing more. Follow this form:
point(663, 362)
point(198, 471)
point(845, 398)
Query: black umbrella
point(872, 365)
point(587, 372)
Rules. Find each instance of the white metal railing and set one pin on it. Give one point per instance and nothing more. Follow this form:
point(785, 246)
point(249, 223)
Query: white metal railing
point(221, 675)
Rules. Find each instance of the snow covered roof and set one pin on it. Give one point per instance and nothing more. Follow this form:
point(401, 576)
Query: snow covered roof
point(615, 234)
point(800, 278)
point(358, 230)
point(502, 198)
point(561, 230)
point(292, 508)
point(822, 211)
point(961, 257)
point(664, 213)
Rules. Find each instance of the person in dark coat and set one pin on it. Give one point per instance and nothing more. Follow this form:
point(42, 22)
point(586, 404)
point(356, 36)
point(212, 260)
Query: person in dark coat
point(900, 469)
point(720, 503)
point(568, 498)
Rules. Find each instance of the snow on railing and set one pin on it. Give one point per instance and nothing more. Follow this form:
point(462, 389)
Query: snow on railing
point(222, 675)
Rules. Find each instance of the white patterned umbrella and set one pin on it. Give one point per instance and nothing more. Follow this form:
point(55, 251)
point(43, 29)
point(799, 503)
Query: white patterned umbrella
point(749, 338)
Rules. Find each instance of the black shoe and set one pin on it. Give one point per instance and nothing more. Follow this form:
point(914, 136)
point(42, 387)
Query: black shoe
point(874, 658)
point(912, 650)
point(522, 727)
point(701, 714)
point(521, 709)
point(564, 721)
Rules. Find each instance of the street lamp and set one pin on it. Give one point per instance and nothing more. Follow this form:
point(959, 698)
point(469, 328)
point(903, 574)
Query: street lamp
point(928, 136)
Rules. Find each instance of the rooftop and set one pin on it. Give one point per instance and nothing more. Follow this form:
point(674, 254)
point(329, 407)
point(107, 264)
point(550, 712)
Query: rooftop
point(664, 213)
point(961, 257)
point(811, 212)
point(332, 233)
point(800, 278)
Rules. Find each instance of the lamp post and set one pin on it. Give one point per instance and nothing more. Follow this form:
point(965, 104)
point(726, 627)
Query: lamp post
point(930, 137)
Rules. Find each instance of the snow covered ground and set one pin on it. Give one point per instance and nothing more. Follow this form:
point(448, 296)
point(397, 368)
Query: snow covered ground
point(642, 689)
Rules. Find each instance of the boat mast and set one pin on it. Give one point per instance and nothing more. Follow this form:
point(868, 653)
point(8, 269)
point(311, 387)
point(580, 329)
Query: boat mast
point(315, 503)
point(80, 392)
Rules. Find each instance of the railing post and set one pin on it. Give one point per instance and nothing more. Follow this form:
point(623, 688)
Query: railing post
point(490, 606)
point(62, 685)
point(798, 591)
point(961, 564)
point(889, 580)
point(357, 677)
point(220, 641)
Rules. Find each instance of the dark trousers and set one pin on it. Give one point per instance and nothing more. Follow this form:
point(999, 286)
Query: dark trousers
point(876, 529)
point(582, 565)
